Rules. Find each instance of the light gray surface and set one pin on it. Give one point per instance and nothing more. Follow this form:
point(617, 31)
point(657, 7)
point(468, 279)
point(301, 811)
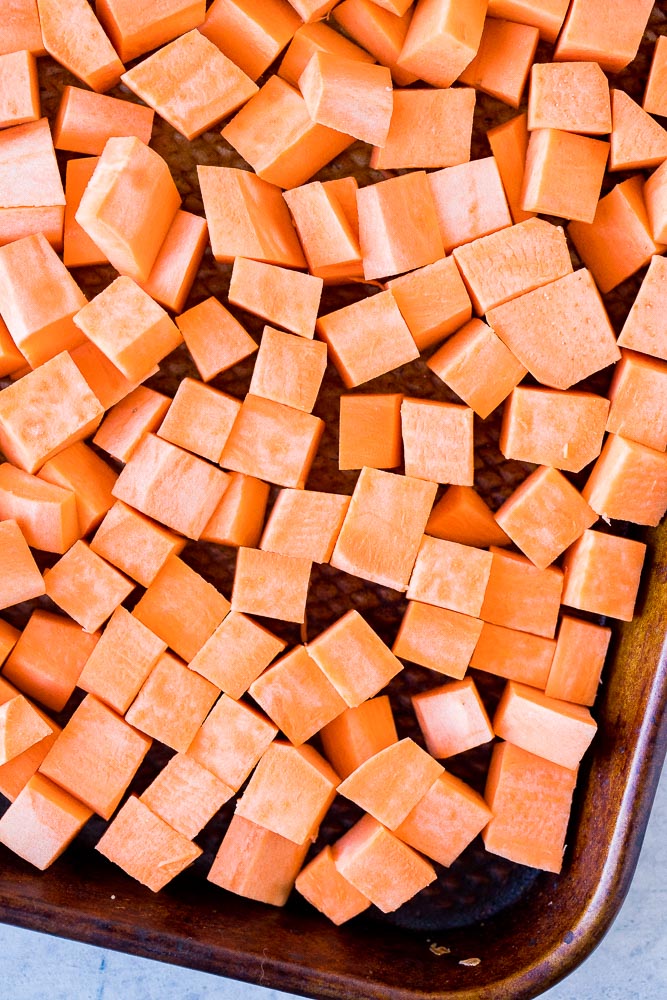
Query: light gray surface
point(630, 964)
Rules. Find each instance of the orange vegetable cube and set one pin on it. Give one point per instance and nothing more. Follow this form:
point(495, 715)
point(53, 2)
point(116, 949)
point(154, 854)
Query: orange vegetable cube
point(289, 298)
point(560, 332)
point(105, 380)
point(437, 638)
point(178, 260)
point(450, 575)
point(469, 201)
point(199, 419)
point(145, 846)
point(655, 95)
point(348, 332)
point(247, 217)
point(214, 338)
point(79, 469)
point(271, 584)
point(636, 139)
point(85, 120)
point(305, 524)
point(522, 515)
point(185, 795)
point(137, 29)
point(11, 359)
point(78, 248)
point(445, 820)
point(643, 329)
point(581, 648)
point(515, 655)
point(181, 607)
point(328, 891)
point(169, 484)
point(39, 299)
point(21, 727)
point(557, 730)
point(637, 393)
point(142, 410)
point(432, 300)
point(354, 658)
point(358, 733)
point(272, 441)
point(277, 136)
point(462, 516)
point(190, 83)
point(608, 33)
point(289, 369)
point(509, 144)
point(172, 703)
point(547, 15)
point(86, 587)
point(369, 431)
point(503, 61)
point(132, 330)
point(48, 658)
point(602, 574)
point(46, 514)
point(428, 128)
point(442, 39)
point(45, 411)
point(478, 367)
point(297, 696)
point(549, 427)
point(31, 191)
point(452, 718)
point(237, 653)
point(251, 36)
point(530, 799)
point(554, 154)
point(437, 441)
point(16, 773)
point(316, 36)
point(239, 517)
point(20, 28)
point(42, 821)
point(389, 784)
point(231, 740)
point(349, 96)
point(75, 38)
point(256, 863)
point(573, 96)
point(329, 242)
point(379, 31)
point(384, 504)
point(381, 866)
point(521, 596)
point(134, 544)
point(8, 638)
point(19, 88)
point(628, 482)
point(96, 756)
point(655, 198)
point(289, 791)
point(121, 661)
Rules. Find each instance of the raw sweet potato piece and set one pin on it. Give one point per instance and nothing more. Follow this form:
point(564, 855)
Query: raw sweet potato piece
point(461, 515)
point(636, 139)
point(19, 100)
point(79, 469)
point(305, 523)
point(432, 300)
point(606, 31)
point(553, 154)
point(42, 821)
point(437, 638)
point(452, 718)
point(8, 639)
point(349, 96)
point(329, 242)
point(11, 359)
point(503, 60)
point(239, 517)
point(316, 36)
point(134, 544)
point(328, 891)
point(602, 574)
point(20, 578)
point(509, 144)
point(643, 330)
point(637, 394)
point(547, 15)
point(46, 514)
point(282, 296)
point(469, 201)
point(86, 587)
point(75, 38)
point(20, 28)
point(437, 441)
point(199, 419)
point(85, 120)
point(106, 381)
point(379, 31)
point(214, 338)
point(178, 260)
point(78, 248)
point(450, 575)
point(515, 655)
point(237, 653)
point(519, 595)
point(185, 795)
point(655, 199)
point(251, 35)
point(21, 727)
point(628, 482)
point(231, 740)
point(271, 584)
point(32, 199)
point(581, 648)
point(142, 410)
point(138, 28)
point(17, 772)
point(573, 96)
point(442, 39)
point(655, 95)
point(358, 733)
point(369, 431)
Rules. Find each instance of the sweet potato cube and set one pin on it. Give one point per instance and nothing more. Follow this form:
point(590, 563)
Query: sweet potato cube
point(48, 658)
point(289, 298)
point(573, 96)
point(428, 128)
point(442, 39)
point(176, 265)
point(519, 595)
point(272, 441)
point(239, 517)
point(86, 587)
point(553, 152)
point(384, 504)
point(461, 515)
point(655, 198)
point(252, 36)
point(121, 661)
point(200, 419)
point(21, 30)
point(11, 359)
point(45, 513)
point(637, 394)
point(628, 482)
point(32, 195)
point(369, 431)
point(515, 655)
point(237, 653)
point(78, 248)
point(609, 35)
point(445, 820)
point(271, 584)
point(145, 846)
point(134, 544)
point(378, 31)
point(172, 703)
point(550, 427)
point(316, 36)
point(17, 772)
point(509, 144)
point(358, 733)
point(214, 338)
point(381, 866)
point(185, 795)
point(450, 575)
point(169, 484)
point(602, 574)
point(257, 863)
point(643, 329)
point(231, 740)
point(581, 648)
point(132, 330)
point(390, 783)
point(530, 799)
point(80, 470)
point(106, 381)
point(135, 30)
point(85, 120)
point(289, 791)
point(328, 891)
point(349, 96)
point(330, 244)
point(289, 369)
point(432, 300)
point(8, 638)
point(19, 88)
point(438, 441)
point(354, 658)
point(557, 730)
point(637, 140)
point(305, 524)
point(141, 411)
point(437, 638)
point(452, 718)
point(85, 49)
point(503, 61)
point(655, 95)
point(469, 201)
point(42, 821)
point(96, 756)
point(21, 726)
point(297, 695)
